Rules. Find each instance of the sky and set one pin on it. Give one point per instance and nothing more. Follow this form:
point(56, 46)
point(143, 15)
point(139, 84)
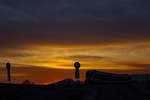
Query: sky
point(43, 38)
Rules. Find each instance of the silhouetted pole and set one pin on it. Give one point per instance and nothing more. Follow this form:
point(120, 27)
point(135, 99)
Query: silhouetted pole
point(77, 66)
point(8, 66)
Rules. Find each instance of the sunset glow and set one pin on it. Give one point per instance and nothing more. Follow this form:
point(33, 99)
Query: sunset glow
point(46, 38)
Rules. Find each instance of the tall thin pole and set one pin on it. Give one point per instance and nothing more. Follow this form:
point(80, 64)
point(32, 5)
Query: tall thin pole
point(8, 66)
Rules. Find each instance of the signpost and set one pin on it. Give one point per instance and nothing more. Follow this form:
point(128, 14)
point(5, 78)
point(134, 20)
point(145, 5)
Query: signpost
point(8, 66)
point(77, 66)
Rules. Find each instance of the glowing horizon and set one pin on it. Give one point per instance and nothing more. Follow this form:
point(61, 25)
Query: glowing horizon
point(101, 57)
point(45, 38)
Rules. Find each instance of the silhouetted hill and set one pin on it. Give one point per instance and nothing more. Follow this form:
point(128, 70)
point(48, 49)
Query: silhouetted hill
point(76, 90)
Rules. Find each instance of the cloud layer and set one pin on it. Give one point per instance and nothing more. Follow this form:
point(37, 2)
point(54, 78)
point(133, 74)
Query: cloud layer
point(73, 22)
point(56, 33)
point(77, 10)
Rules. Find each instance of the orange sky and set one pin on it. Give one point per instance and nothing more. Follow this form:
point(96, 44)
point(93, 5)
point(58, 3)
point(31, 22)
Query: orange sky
point(46, 64)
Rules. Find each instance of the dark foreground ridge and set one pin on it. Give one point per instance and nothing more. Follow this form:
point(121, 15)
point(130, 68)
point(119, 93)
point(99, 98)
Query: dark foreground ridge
point(92, 89)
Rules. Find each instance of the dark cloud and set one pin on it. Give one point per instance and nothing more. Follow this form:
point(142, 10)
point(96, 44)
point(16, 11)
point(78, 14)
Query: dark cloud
point(86, 57)
point(15, 55)
point(71, 34)
point(73, 22)
point(138, 65)
point(83, 57)
point(68, 10)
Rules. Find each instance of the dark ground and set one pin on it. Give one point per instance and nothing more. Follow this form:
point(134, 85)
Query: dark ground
point(131, 91)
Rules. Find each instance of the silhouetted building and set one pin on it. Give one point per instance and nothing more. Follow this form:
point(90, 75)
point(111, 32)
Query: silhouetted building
point(8, 66)
point(141, 77)
point(77, 66)
point(96, 77)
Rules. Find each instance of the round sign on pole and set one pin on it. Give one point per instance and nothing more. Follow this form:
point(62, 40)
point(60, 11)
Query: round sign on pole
point(77, 66)
point(8, 65)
